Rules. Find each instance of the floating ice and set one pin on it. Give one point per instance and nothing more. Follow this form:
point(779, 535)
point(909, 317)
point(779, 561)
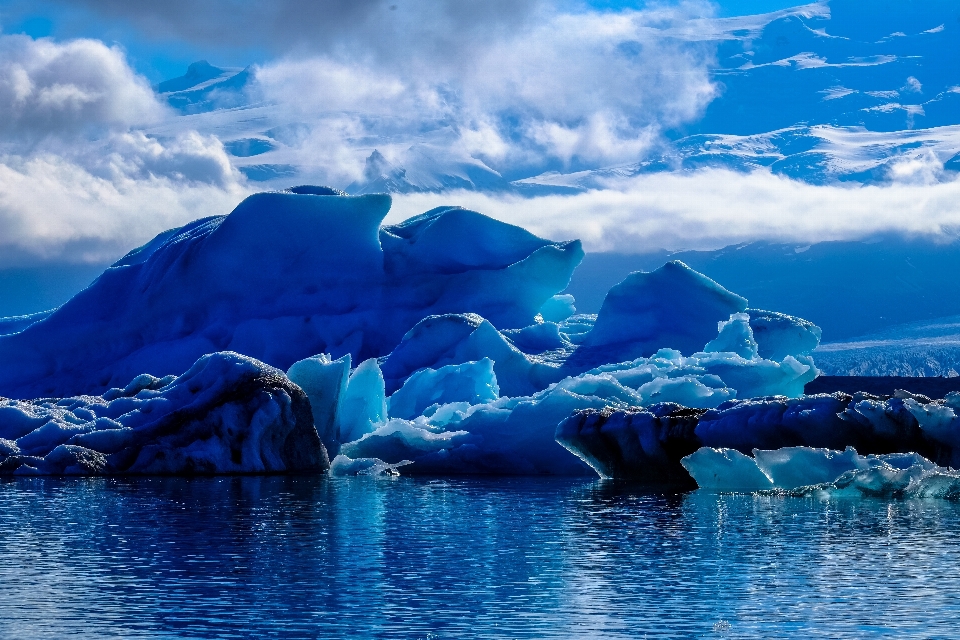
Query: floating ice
point(363, 406)
point(808, 471)
point(633, 443)
point(437, 341)
point(806, 435)
point(779, 335)
point(469, 357)
point(725, 470)
point(227, 414)
point(735, 336)
point(344, 466)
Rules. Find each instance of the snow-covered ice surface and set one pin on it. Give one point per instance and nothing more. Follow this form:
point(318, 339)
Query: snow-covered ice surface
point(227, 414)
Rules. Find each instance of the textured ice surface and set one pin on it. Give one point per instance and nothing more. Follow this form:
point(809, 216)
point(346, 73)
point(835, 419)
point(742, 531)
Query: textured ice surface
point(363, 406)
point(808, 471)
point(285, 276)
point(633, 443)
point(227, 414)
point(470, 382)
point(344, 466)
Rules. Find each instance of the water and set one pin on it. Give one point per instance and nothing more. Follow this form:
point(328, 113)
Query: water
point(485, 558)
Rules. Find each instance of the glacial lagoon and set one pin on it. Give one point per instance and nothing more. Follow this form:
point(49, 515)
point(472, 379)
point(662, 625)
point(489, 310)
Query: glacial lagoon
point(472, 557)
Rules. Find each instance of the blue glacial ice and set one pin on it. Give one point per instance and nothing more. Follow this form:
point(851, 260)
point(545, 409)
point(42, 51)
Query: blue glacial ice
point(469, 357)
point(285, 276)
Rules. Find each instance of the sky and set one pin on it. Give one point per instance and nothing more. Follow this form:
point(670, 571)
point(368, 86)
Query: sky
point(94, 162)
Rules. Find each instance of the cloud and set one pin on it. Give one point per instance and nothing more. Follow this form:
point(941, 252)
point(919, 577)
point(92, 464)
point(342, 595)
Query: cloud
point(52, 209)
point(79, 179)
point(378, 29)
point(575, 89)
point(72, 88)
point(715, 208)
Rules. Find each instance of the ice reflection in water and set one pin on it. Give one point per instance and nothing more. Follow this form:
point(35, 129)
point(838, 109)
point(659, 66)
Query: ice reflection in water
point(515, 557)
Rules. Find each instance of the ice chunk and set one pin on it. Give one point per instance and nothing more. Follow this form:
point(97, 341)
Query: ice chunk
point(689, 391)
point(735, 336)
point(724, 470)
point(634, 443)
point(505, 436)
point(227, 414)
point(325, 382)
point(673, 306)
point(344, 466)
point(363, 405)
point(471, 382)
point(938, 420)
point(779, 335)
point(400, 439)
point(793, 467)
point(757, 377)
point(806, 471)
point(558, 308)
point(537, 338)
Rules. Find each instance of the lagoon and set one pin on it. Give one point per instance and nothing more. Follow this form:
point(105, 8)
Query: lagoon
point(324, 557)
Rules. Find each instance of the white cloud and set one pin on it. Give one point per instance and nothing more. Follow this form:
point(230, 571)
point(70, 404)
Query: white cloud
point(581, 88)
point(66, 88)
point(51, 208)
point(79, 179)
point(715, 208)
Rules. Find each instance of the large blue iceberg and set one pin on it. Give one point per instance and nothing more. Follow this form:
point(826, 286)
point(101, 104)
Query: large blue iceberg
point(443, 344)
point(285, 276)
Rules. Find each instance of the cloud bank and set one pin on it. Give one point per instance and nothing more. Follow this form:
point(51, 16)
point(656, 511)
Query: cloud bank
point(715, 208)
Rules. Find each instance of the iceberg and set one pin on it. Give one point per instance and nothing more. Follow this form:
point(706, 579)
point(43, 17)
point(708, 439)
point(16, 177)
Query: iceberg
point(286, 276)
point(469, 356)
point(673, 306)
point(324, 380)
point(227, 414)
point(807, 431)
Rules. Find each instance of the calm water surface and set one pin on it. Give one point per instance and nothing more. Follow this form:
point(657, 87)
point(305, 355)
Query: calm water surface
point(466, 558)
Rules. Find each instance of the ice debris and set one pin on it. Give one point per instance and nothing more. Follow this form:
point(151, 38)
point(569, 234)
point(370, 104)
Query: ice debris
point(632, 442)
point(673, 306)
point(808, 471)
point(227, 414)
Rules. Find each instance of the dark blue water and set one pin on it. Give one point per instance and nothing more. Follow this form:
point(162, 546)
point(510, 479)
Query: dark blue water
point(491, 558)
